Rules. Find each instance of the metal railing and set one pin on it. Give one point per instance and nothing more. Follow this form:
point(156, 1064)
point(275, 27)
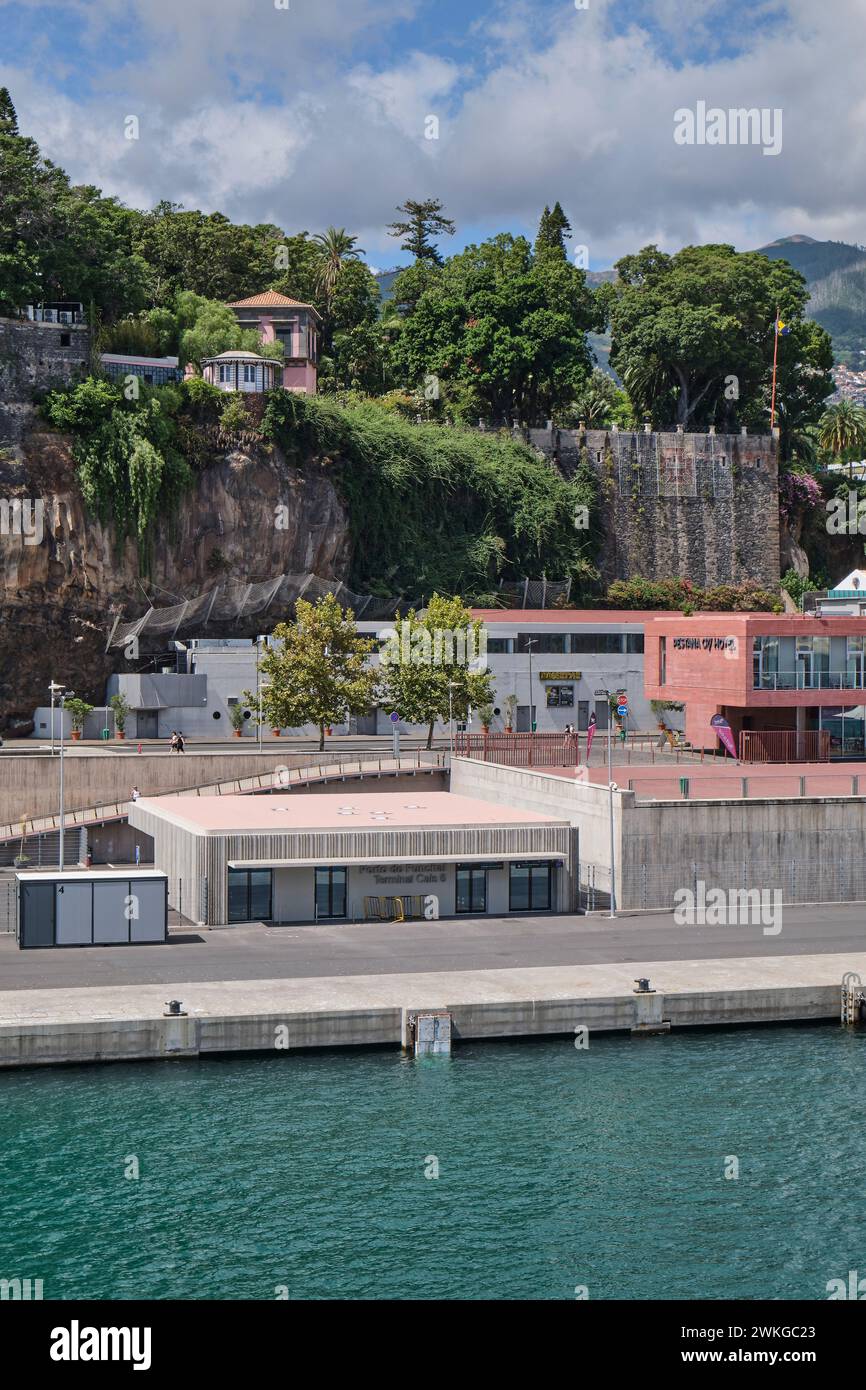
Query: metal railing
point(816, 680)
point(784, 746)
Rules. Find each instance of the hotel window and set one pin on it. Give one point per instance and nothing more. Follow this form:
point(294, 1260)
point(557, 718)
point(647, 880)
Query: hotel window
point(471, 890)
point(250, 895)
point(225, 371)
point(634, 642)
point(249, 371)
point(529, 888)
point(498, 646)
point(330, 893)
point(560, 696)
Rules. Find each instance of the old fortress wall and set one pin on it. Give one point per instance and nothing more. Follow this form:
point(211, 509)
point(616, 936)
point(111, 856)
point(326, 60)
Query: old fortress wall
point(700, 506)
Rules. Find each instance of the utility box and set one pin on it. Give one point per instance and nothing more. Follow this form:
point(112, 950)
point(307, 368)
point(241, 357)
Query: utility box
point(102, 908)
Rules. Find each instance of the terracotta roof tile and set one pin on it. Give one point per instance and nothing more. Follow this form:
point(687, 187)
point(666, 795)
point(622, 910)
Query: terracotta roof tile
point(270, 299)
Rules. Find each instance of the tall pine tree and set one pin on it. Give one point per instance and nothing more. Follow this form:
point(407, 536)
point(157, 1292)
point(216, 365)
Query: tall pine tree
point(553, 228)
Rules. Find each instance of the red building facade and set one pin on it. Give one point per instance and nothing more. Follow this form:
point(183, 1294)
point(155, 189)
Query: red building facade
point(762, 672)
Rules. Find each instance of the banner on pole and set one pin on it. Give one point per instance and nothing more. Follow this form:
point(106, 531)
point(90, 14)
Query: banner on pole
point(723, 729)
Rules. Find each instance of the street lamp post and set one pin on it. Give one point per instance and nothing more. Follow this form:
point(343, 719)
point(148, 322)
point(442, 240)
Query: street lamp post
point(530, 643)
point(64, 696)
point(606, 694)
point(53, 687)
point(259, 685)
point(451, 719)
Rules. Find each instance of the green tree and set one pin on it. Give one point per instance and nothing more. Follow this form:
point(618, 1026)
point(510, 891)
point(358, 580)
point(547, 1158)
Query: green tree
point(419, 224)
point(28, 188)
point(206, 328)
point(207, 254)
point(692, 335)
point(318, 673)
point(510, 326)
point(333, 249)
point(436, 663)
point(842, 432)
point(553, 228)
point(600, 403)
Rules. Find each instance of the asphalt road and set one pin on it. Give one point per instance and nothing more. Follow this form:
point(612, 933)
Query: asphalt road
point(257, 952)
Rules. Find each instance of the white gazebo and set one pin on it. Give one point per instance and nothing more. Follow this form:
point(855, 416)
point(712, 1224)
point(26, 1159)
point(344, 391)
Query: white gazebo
point(242, 371)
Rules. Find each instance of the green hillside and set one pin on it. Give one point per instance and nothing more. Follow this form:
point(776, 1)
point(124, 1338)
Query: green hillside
point(836, 273)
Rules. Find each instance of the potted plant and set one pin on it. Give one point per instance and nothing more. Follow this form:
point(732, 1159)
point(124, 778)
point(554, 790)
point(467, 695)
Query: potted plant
point(510, 704)
point(236, 718)
point(79, 710)
point(485, 714)
point(121, 710)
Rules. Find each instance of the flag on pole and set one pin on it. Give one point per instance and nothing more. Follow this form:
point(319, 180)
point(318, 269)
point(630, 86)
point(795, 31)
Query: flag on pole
point(783, 329)
point(590, 730)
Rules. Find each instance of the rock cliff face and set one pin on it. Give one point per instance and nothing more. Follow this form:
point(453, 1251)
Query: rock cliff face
point(61, 591)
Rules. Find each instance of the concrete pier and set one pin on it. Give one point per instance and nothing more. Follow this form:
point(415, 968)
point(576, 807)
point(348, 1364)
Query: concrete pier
point(126, 1023)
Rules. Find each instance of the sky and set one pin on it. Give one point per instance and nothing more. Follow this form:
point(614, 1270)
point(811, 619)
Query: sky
point(311, 113)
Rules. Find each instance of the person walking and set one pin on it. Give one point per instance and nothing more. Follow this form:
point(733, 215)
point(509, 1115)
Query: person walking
point(180, 741)
point(135, 794)
point(172, 747)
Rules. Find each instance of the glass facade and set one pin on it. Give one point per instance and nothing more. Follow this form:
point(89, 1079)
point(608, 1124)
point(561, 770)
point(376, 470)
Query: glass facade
point(529, 887)
point(250, 895)
point(808, 663)
point(471, 886)
point(330, 893)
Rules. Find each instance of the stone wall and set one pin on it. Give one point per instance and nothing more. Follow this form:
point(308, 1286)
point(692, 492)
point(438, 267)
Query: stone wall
point(36, 356)
point(701, 506)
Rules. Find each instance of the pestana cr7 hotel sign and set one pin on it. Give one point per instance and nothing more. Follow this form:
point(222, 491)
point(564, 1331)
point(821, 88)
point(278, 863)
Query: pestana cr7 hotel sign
point(705, 644)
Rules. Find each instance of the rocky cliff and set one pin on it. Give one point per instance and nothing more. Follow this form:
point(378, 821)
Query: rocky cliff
point(61, 591)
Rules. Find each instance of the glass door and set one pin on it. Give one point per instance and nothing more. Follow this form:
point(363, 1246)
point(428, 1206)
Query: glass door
point(471, 890)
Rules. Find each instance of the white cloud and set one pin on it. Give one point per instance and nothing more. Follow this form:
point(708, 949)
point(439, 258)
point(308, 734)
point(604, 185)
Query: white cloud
point(266, 115)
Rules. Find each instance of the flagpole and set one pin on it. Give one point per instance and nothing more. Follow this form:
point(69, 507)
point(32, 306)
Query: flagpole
point(775, 359)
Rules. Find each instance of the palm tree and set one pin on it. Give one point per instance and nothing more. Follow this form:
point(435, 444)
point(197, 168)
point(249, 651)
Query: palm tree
point(333, 248)
point(842, 430)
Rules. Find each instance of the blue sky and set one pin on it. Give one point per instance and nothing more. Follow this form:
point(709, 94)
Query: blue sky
point(316, 114)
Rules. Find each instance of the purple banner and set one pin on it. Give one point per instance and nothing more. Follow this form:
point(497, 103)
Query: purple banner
point(723, 729)
point(590, 731)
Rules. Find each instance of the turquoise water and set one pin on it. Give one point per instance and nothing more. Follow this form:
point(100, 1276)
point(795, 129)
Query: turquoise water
point(557, 1168)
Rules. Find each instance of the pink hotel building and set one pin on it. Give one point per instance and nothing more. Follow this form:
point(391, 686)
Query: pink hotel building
point(800, 675)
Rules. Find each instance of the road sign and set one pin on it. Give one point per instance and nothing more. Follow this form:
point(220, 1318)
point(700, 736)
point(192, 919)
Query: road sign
point(395, 718)
point(622, 709)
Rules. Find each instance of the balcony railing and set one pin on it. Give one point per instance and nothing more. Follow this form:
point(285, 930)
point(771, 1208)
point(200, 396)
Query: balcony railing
point(815, 680)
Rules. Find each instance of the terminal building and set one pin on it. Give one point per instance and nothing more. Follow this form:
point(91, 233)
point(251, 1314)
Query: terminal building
point(552, 660)
point(336, 857)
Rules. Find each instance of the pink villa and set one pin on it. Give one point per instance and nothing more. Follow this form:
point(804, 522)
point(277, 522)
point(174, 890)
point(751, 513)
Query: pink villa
point(275, 318)
point(287, 321)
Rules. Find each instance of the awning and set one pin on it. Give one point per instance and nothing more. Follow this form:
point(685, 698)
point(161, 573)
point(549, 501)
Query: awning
point(420, 860)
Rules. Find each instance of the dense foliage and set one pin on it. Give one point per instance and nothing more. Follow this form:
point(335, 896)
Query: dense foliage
point(687, 597)
point(693, 338)
point(433, 508)
point(130, 468)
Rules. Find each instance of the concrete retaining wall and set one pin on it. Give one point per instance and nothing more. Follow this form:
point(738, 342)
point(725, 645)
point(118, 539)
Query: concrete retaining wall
point(810, 848)
point(30, 784)
point(154, 1038)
